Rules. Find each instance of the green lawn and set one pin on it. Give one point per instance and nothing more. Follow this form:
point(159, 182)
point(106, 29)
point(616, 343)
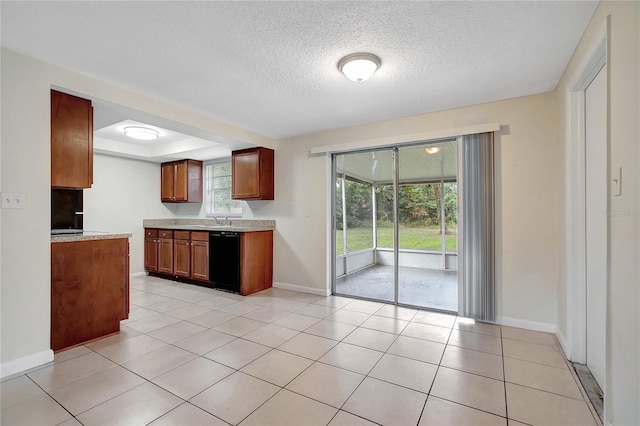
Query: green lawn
point(410, 238)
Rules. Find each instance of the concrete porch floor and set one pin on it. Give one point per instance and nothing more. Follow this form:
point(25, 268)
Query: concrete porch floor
point(429, 288)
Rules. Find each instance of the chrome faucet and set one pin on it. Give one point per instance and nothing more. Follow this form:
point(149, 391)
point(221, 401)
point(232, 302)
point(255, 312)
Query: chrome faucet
point(226, 221)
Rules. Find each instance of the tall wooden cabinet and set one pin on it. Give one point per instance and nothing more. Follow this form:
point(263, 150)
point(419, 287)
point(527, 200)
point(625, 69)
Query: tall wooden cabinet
point(252, 174)
point(71, 141)
point(181, 182)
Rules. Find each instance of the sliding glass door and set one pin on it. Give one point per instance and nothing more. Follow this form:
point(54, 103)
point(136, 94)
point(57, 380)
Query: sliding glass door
point(363, 215)
point(395, 225)
point(427, 201)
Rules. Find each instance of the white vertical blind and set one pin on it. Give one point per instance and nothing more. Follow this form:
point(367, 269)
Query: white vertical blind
point(476, 223)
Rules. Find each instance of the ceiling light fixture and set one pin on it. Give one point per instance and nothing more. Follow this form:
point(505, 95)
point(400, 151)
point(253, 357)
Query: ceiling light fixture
point(141, 133)
point(359, 67)
point(432, 149)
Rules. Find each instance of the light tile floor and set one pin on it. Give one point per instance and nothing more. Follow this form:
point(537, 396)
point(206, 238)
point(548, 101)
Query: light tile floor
point(195, 356)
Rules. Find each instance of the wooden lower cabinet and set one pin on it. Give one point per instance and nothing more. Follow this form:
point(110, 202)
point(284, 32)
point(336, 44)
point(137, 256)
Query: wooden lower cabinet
point(256, 261)
point(185, 255)
point(200, 256)
point(181, 254)
point(151, 254)
point(165, 256)
point(89, 290)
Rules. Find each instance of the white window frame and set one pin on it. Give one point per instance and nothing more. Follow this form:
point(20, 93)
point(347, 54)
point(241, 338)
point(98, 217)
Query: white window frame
point(209, 196)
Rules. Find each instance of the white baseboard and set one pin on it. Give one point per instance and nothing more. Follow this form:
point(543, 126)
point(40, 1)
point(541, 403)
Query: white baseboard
point(25, 363)
point(138, 274)
point(529, 325)
point(302, 289)
point(563, 343)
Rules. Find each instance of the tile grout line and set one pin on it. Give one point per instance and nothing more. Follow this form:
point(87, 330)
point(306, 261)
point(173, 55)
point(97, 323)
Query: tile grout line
point(437, 370)
point(504, 379)
point(374, 366)
point(271, 349)
point(49, 395)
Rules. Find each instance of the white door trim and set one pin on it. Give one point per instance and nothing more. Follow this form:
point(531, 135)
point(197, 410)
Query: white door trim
point(575, 346)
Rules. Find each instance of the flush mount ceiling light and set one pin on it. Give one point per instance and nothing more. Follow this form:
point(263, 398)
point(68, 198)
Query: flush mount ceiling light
point(432, 149)
point(141, 133)
point(359, 67)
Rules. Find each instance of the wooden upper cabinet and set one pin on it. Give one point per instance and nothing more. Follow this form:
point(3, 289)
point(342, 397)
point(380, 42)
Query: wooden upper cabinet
point(167, 179)
point(181, 182)
point(252, 174)
point(71, 141)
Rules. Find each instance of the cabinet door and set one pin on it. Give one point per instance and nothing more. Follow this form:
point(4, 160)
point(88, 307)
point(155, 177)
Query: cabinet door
point(181, 182)
point(200, 260)
point(256, 261)
point(245, 180)
point(182, 258)
point(71, 141)
point(252, 174)
point(167, 182)
point(127, 285)
point(151, 254)
point(93, 309)
point(165, 255)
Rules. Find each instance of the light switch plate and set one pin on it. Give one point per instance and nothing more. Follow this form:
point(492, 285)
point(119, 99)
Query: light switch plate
point(617, 183)
point(13, 200)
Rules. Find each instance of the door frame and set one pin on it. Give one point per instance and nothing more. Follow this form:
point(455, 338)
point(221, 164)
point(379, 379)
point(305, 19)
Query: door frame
point(575, 342)
point(331, 227)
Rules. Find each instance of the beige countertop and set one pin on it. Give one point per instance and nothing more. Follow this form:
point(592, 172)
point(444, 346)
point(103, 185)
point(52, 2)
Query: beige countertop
point(207, 228)
point(87, 236)
point(206, 225)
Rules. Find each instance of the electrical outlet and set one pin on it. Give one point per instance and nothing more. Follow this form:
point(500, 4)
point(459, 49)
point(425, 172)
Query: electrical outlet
point(13, 200)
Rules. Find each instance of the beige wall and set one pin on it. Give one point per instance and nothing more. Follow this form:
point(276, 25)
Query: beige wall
point(528, 172)
point(25, 270)
point(622, 394)
point(25, 167)
point(125, 192)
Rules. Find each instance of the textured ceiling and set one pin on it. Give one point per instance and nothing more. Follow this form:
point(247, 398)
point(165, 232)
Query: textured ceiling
point(271, 66)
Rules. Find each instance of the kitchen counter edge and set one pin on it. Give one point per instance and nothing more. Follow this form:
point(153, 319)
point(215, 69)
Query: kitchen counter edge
point(89, 236)
point(210, 229)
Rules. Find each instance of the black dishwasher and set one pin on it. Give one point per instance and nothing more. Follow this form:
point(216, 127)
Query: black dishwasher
point(224, 260)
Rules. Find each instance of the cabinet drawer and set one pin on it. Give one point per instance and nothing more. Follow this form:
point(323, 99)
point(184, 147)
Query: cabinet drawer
point(150, 233)
point(181, 235)
point(163, 233)
point(199, 236)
